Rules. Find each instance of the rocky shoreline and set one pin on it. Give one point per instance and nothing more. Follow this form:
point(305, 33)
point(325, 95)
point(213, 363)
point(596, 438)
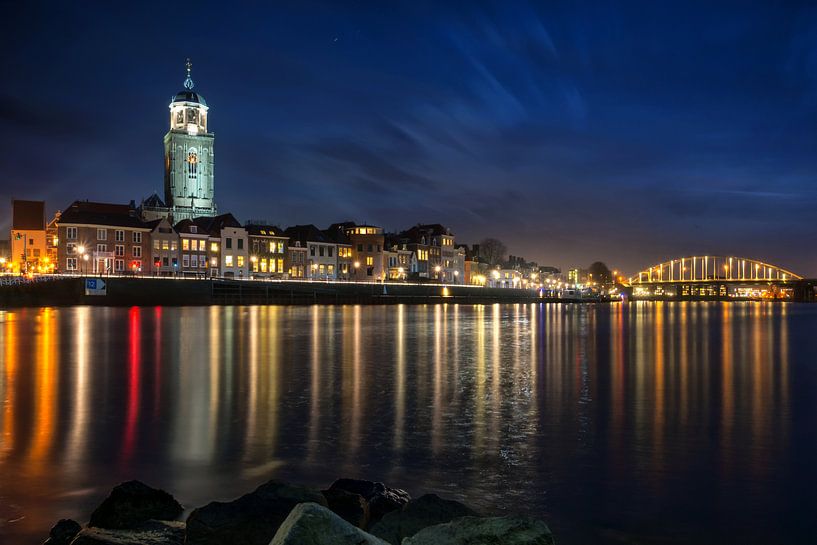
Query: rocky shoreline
point(349, 512)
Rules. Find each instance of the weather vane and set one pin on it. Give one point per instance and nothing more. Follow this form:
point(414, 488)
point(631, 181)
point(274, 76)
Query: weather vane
point(188, 81)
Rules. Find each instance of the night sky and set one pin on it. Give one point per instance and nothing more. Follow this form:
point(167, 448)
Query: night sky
point(626, 132)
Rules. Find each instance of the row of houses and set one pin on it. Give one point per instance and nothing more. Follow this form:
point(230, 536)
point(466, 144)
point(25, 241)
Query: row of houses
point(103, 238)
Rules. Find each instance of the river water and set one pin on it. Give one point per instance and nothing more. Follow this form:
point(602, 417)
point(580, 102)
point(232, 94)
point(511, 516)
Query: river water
point(627, 423)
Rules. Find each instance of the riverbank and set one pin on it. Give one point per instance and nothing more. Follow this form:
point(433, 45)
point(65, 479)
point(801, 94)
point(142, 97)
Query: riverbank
point(349, 512)
point(125, 291)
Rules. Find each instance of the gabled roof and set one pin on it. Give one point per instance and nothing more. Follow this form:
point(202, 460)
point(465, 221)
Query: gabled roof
point(306, 233)
point(97, 213)
point(258, 230)
point(214, 225)
point(154, 201)
point(337, 232)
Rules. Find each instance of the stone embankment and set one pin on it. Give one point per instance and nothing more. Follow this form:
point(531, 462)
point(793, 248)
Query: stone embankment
point(350, 512)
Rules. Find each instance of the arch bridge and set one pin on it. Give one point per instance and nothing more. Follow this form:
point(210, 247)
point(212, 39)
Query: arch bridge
point(719, 277)
point(710, 268)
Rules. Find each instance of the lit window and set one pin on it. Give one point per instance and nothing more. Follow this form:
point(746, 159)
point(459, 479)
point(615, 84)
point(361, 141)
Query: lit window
point(369, 260)
point(228, 261)
point(185, 245)
point(214, 246)
point(240, 260)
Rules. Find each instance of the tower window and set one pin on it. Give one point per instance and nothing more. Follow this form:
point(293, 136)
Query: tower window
point(192, 163)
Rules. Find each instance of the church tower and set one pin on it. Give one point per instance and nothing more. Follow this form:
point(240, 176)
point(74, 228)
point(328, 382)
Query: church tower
point(189, 188)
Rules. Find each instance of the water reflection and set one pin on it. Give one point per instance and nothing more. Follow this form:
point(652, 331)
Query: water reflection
point(605, 419)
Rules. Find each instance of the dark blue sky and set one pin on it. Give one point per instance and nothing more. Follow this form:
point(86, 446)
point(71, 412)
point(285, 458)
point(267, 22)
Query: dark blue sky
point(627, 132)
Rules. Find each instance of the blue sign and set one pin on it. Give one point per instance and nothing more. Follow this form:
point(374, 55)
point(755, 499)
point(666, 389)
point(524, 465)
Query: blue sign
point(95, 286)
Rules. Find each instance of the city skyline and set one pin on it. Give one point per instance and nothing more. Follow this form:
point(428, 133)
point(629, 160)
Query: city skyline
point(570, 138)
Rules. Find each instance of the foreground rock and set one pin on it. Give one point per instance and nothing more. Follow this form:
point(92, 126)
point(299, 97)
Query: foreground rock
point(488, 530)
point(252, 519)
point(423, 512)
point(352, 508)
point(133, 503)
point(316, 525)
point(63, 532)
point(152, 532)
point(381, 499)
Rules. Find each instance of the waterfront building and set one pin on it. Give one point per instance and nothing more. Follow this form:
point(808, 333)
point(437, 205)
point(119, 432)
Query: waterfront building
point(29, 249)
point(459, 266)
point(434, 246)
point(189, 183)
point(369, 262)
point(337, 234)
point(268, 250)
point(228, 243)
point(321, 260)
point(416, 242)
point(577, 276)
point(193, 247)
point(164, 245)
point(505, 278)
point(296, 260)
point(100, 238)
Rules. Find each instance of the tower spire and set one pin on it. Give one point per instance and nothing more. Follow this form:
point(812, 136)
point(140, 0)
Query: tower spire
point(188, 81)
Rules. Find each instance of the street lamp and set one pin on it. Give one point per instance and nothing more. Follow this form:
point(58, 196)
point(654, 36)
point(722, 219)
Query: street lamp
point(357, 265)
point(254, 261)
point(85, 263)
point(81, 250)
point(437, 270)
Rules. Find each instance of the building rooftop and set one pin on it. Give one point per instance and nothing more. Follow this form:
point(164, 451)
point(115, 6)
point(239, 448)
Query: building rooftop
point(97, 213)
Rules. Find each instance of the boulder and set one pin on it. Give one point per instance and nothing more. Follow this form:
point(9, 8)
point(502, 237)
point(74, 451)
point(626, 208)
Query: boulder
point(489, 530)
point(252, 519)
point(417, 514)
point(152, 532)
point(352, 508)
point(63, 532)
point(133, 503)
point(313, 524)
point(381, 499)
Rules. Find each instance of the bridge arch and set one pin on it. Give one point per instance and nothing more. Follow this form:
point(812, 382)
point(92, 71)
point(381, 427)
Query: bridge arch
point(710, 268)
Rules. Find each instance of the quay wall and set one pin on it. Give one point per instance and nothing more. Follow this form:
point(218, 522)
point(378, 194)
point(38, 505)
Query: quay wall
point(124, 291)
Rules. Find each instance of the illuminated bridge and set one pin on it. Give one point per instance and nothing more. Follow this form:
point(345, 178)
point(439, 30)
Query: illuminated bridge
point(721, 277)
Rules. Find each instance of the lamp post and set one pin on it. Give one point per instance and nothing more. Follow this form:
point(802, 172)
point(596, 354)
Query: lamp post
point(437, 270)
point(81, 250)
point(357, 265)
point(456, 275)
point(254, 261)
point(85, 263)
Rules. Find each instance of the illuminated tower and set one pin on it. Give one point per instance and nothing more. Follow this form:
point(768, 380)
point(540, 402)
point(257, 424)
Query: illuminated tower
point(189, 156)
